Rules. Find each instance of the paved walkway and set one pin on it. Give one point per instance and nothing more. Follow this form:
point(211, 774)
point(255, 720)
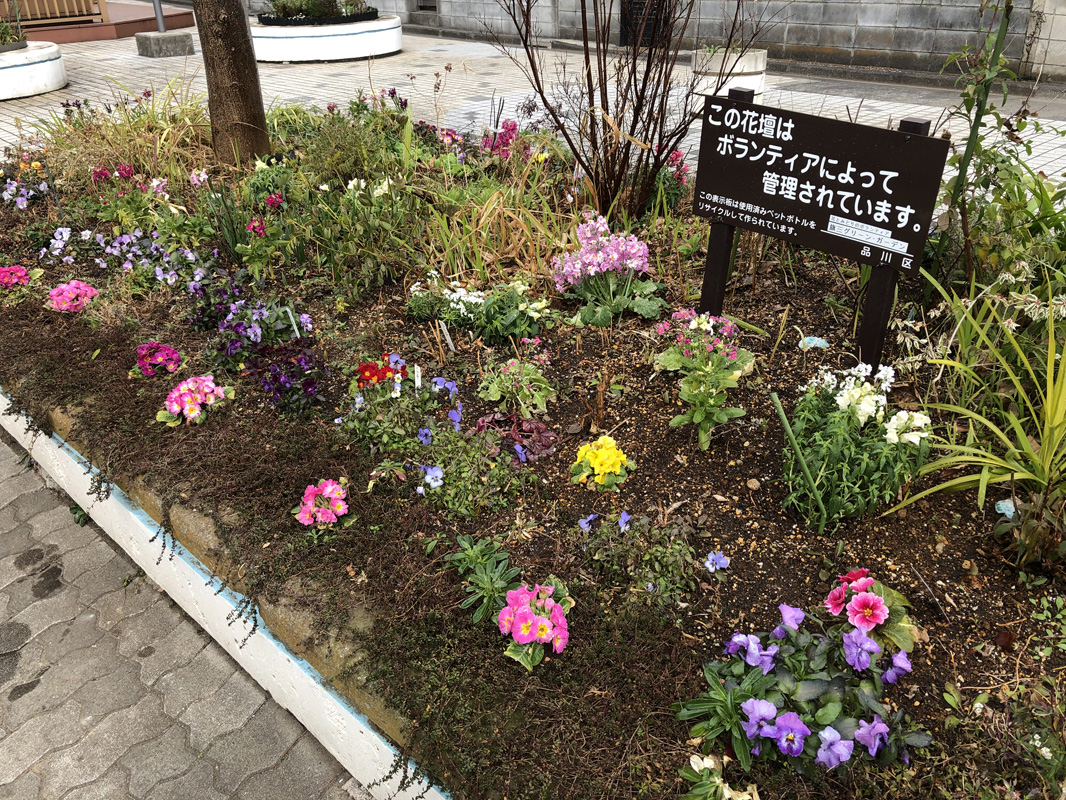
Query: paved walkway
point(108, 691)
point(480, 76)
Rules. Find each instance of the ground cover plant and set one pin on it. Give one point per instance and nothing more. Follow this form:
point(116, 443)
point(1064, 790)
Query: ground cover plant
point(587, 542)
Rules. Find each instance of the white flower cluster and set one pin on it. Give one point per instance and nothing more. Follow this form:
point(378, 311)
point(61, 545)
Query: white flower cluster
point(467, 304)
point(907, 426)
point(1043, 749)
point(852, 390)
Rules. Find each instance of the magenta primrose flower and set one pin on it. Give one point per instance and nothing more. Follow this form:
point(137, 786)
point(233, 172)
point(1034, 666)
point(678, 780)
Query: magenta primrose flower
point(531, 615)
point(836, 600)
point(600, 252)
point(866, 611)
point(14, 276)
point(322, 503)
point(72, 296)
point(152, 356)
point(190, 397)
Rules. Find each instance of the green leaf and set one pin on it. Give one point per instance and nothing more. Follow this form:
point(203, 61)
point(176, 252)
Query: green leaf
point(596, 316)
point(828, 713)
point(528, 655)
point(649, 309)
point(918, 739)
point(810, 689)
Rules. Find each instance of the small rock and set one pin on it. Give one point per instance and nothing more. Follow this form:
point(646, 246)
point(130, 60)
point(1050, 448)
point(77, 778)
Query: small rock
point(754, 485)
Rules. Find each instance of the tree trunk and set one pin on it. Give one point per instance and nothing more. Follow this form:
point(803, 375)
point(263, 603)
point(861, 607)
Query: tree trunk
point(234, 97)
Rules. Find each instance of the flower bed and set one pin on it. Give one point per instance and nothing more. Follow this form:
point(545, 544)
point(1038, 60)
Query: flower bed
point(402, 468)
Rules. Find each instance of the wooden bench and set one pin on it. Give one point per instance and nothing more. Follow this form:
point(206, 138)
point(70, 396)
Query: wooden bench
point(49, 12)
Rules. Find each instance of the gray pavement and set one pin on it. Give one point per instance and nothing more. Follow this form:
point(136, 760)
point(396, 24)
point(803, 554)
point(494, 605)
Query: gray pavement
point(482, 74)
point(108, 691)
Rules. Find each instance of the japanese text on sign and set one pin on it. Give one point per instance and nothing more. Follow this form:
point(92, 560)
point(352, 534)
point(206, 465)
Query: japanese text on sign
point(861, 192)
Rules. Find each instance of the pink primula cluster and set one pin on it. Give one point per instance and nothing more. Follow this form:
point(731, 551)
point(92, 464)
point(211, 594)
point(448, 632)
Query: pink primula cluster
point(190, 396)
point(499, 144)
point(676, 162)
point(865, 609)
point(14, 276)
point(323, 503)
point(532, 616)
point(71, 296)
point(600, 252)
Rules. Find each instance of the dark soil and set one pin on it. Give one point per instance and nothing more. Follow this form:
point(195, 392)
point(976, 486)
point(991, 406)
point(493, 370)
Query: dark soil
point(594, 722)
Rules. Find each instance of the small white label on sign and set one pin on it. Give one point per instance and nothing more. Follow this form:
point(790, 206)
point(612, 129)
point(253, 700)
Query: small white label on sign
point(861, 232)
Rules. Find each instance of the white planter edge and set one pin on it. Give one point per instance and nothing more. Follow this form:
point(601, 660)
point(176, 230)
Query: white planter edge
point(289, 679)
point(35, 69)
point(749, 71)
point(350, 41)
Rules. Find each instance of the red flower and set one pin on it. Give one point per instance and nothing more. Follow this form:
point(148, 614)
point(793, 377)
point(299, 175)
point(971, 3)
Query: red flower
point(834, 603)
point(854, 575)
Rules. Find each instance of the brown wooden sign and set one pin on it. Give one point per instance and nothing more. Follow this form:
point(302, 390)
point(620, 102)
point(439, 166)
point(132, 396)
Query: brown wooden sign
point(859, 192)
point(864, 193)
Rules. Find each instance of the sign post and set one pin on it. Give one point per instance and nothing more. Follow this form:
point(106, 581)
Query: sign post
point(863, 193)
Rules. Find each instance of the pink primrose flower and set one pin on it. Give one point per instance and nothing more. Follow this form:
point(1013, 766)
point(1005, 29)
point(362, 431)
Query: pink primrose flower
point(861, 585)
point(560, 638)
point(520, 598)
point(866, 611)
point(834, 603)
point(15, 275)
point(310, 493)
point(325, 515)
point(306, 515)
point(558, 618)
point(524, 629)
point(338, 507)
point(543, 628)
point(854, 575)
point(506, 619)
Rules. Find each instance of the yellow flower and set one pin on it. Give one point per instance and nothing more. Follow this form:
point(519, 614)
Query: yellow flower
point(36, 165)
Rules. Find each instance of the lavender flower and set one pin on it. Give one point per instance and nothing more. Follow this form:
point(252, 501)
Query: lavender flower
point(834, 750)
point(456, 415)
point(790, 618)
point(434, 476)
point(789, 732)
point(425, 436)
point(305, 322)
point(623, 521)
point(872, 735)
point(901, 665)
point(761, 714)
point(521, 451)
point(586, 523)
point(716, 561)
point(857, 649)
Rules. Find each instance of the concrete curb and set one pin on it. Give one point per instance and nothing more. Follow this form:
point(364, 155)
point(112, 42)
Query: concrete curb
point(342, 729)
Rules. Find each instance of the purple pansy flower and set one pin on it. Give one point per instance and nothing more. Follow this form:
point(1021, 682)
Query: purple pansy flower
point(623, 521)
point(425, 436)
point(901, 665)
point(586, 523)
point(456, 415)
point(790, 618)
point(521, 451)
point(761, 715)
point(789, 732)
point(834, 750)
point(872, 734)
point(857, 649)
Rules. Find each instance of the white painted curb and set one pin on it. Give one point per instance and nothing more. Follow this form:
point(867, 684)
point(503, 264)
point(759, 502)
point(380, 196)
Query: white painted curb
point(35, 69)
point(299, 43)
point(291, 681)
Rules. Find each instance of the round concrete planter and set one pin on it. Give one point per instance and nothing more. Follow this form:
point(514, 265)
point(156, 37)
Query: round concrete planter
point(355, 40)
point(748, 71)
point(35, 69)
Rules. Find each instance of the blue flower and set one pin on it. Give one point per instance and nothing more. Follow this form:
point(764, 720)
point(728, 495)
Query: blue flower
point(305, 321)
point(444, 383)
point(456, 415)
point(425, 436)
point(623, 521)
point(521, 453)
point(394, 358)
point(716, 561)
point(586, 523)
point(434, 476)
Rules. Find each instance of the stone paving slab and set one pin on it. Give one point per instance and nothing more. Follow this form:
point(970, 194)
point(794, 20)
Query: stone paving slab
point(109, 692)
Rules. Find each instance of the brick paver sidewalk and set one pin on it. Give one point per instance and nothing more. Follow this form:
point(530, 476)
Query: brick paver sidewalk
point(109, 691)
